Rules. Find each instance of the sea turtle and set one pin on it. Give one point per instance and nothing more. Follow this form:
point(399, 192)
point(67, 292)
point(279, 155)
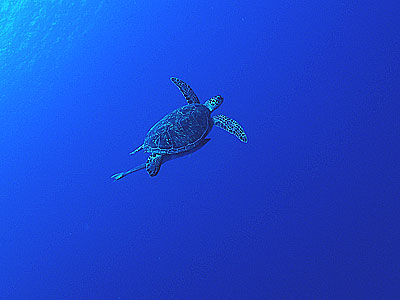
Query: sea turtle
point(183, 131)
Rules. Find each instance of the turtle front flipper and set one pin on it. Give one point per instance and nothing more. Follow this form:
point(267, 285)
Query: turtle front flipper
point(153, 164)
point(231, 126)
point(186, 90)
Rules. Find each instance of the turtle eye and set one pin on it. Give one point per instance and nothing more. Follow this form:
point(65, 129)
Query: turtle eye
point(214, 102)
point(217, 100)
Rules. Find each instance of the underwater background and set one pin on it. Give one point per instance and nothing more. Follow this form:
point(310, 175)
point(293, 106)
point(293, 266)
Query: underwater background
point(307, 209)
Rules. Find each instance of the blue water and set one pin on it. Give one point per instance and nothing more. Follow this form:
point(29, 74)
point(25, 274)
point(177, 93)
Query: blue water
point(307, 209)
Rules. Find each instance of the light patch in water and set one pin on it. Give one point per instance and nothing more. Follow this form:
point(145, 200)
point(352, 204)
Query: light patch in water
point(33, 29)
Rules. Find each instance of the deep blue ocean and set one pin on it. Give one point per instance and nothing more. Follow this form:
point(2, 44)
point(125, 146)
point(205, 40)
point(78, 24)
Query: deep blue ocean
point(307, 209)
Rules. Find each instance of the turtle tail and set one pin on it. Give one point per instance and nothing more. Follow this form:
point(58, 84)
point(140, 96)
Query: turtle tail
point(136, 150)
point(118, 176)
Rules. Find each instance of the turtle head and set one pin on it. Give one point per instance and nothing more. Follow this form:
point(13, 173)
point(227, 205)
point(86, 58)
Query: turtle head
point(214, 102)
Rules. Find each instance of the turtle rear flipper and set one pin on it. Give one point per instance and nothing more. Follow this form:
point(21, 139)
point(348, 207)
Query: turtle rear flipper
point(186, 91)
point(231, 126)
point(137, 149)
point(153, 164)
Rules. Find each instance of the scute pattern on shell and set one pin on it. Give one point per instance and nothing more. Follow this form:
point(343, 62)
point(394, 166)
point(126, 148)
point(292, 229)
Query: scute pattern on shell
point(179, 131)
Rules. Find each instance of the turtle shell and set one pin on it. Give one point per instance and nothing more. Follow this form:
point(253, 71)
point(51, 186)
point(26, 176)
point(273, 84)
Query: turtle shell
point(179, 131)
